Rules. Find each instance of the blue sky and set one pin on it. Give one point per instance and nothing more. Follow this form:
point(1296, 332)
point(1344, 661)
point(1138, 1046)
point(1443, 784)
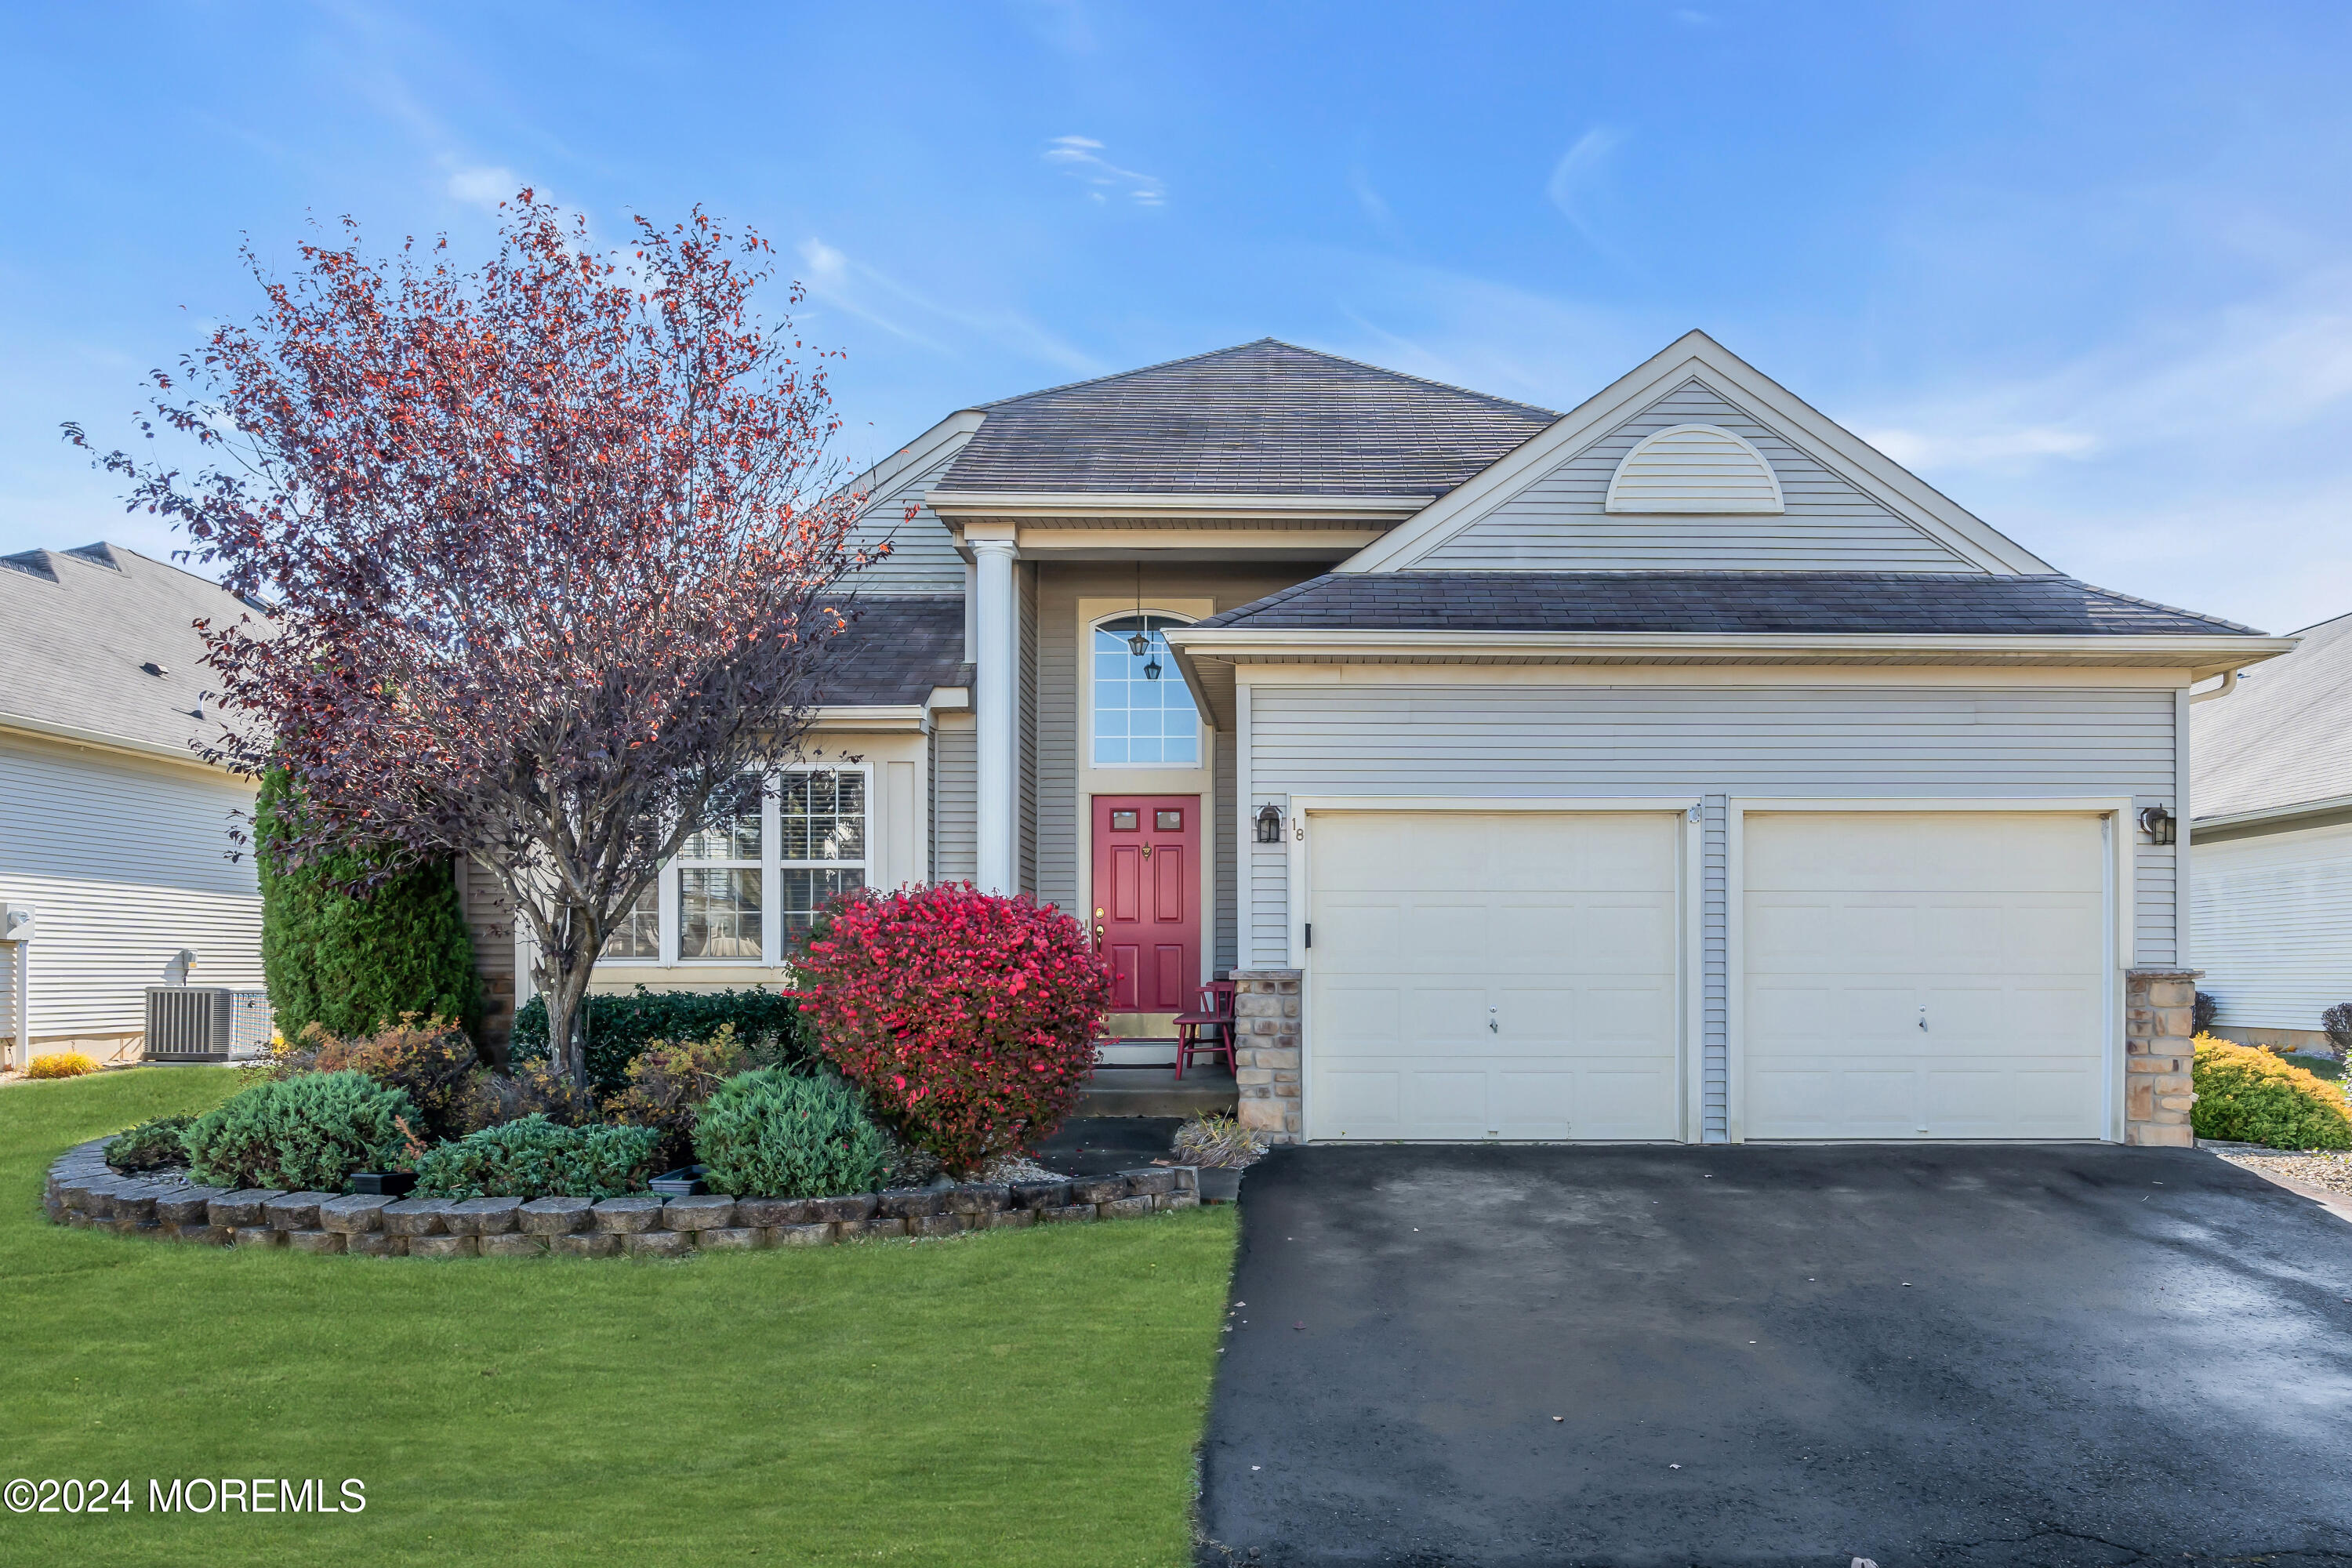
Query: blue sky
point(2084, 267)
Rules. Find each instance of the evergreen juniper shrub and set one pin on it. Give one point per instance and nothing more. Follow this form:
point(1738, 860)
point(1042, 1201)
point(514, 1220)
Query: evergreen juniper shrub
point(301, 1134)
point(2249, 1095)
point(774, 1134)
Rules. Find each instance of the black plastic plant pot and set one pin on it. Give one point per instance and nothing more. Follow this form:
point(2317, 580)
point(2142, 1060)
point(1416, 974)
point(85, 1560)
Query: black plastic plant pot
point(1218, 1185)
point(685, 1181)
point(383, 1184)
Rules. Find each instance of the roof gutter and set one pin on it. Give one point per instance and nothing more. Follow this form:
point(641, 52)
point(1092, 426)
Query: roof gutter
point(2332, 804)
point(2210, 654)
point(154, 751)
point(1152, 503)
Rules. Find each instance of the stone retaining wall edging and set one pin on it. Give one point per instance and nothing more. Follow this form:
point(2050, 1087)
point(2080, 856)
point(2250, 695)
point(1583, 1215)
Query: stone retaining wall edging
point(83, 1192)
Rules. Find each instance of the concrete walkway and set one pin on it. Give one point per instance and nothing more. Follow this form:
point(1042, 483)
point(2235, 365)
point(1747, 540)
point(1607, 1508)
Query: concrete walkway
point(1994, 1355)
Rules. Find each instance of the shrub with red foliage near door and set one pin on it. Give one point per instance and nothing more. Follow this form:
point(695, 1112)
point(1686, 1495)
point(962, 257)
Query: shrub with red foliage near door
point(968, 1019)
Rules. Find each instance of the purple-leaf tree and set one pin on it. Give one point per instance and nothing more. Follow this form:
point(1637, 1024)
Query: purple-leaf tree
point(552, 550)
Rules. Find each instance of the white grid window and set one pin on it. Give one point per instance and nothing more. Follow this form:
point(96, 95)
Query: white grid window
point(741, 889)
point(1143, 715)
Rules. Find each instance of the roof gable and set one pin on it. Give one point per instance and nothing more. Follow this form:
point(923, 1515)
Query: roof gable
point(1846, 506)
point(1264, 418)
point(2284, 737)
point(106, 647)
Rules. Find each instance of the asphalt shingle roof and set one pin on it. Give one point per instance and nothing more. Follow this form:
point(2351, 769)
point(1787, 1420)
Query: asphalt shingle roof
point(897, 647)
point(1264, 418)
point(79, 626)
point(1967, 605)
point(2284, 736)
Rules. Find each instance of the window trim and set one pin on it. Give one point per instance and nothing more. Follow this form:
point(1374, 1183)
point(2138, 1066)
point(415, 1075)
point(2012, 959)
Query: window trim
point(1087, 710)
point(772, 865)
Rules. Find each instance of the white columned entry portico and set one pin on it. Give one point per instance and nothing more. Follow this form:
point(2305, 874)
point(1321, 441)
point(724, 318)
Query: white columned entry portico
point(997, 637)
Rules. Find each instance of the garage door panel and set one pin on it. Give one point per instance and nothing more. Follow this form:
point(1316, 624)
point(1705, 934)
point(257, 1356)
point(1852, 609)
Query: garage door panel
point(1358, 1097)
point(1623, 1021)
point(1362, 934)
point(1560, 930)
point(1615, 936)
point(1990, 926)
point(1536, 1105)
point(1439, 1012)
point(1371, 1014)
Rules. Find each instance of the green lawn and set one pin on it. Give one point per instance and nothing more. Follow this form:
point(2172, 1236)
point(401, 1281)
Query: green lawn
point(1019, 1397)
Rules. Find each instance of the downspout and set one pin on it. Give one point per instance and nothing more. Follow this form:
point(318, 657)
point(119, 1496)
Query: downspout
point(2229, 684)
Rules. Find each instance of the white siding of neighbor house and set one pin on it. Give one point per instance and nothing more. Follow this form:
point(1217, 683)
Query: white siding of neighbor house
point(1710, 743)
point(1559, 522)
point(922, 558)
point(2271, 925)
point(127, 861)
point(955, 818)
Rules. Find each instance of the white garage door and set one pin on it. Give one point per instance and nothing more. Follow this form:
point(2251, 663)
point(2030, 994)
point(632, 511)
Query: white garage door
point(1506, 975)
point(1925, 974)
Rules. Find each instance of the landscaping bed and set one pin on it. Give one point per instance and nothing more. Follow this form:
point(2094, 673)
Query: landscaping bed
point(1026, 1396)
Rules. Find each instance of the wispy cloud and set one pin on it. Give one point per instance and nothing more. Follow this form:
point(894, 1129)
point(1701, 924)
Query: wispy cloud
point(1367, 196)
point(836, 279)
point(483, 185)
point(1579, 180)
point(1080, 157)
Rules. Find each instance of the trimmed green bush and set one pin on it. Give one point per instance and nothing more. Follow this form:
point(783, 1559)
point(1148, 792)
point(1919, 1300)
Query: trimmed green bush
point(155, 1145)
point(303, 1135)
point(353, 965)
point(535, 1158)
point(620, 1026)
point(774, 1134)
point(2249, 1095)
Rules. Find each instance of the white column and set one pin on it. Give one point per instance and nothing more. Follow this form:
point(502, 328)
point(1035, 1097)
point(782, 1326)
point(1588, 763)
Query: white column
point(999, 648)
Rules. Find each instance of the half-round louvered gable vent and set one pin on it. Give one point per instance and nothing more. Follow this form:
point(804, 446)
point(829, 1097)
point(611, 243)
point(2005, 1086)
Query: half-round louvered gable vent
point(1693, 469)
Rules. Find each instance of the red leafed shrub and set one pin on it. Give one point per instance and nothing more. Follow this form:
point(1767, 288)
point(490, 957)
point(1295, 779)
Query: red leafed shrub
point(968, 1019)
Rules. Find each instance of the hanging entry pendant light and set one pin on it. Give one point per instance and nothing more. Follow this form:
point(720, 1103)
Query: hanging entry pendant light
point(1141, 643)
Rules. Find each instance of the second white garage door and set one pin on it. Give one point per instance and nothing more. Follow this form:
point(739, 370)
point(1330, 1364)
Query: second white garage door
point(1923, 975)
point(1507, 975)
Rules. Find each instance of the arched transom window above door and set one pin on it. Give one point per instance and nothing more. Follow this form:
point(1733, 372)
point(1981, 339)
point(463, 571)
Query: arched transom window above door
point(1143, 715)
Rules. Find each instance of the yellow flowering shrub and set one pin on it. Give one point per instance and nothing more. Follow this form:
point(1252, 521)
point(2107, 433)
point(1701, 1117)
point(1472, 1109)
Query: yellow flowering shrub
point(63, 1064)
point(2249, 1095)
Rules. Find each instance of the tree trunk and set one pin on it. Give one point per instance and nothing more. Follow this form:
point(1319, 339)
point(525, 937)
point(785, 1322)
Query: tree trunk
point(566, 988)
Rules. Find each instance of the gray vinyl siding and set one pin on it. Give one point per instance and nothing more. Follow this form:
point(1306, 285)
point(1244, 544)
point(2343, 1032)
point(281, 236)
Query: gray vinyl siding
point(1710, 743)
point(922, 558)
point(1557, 522)
point(955, 819)
point(1025, 789)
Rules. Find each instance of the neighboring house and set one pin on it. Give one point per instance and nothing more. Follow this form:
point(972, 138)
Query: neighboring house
point(112, 831)
point(2273, 797)
point(1678, 767)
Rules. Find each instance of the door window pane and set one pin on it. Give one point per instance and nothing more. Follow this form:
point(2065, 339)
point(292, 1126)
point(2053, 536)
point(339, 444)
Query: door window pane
point(1139, 720)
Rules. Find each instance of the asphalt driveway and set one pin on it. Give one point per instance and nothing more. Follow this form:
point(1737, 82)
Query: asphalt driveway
point(1923, 1354)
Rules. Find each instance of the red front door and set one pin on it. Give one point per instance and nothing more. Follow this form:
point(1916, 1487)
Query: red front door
point(1148, 900)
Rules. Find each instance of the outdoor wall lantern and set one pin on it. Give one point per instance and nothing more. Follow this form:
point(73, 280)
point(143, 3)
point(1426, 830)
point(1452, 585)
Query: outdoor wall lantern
point(1269, 825)
point(2157, 824)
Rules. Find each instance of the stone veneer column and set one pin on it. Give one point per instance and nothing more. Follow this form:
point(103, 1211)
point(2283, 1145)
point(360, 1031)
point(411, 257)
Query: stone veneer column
point(1266, 1055)
point(2160, 1061)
